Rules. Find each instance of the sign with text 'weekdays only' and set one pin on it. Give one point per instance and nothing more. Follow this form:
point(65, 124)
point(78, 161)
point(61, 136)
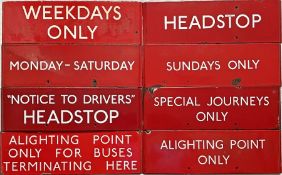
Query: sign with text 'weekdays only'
point(71, 153)
point(219, 65)
point(188, 152)
point(212, 22)
point(60, 109)
point(72, 22)
point(211, 108)
point(71, 66)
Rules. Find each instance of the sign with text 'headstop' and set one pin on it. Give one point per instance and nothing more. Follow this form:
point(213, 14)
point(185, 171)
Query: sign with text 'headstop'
point(71, 109)
point(71, 153)
point(72, 22)
point(71, 66)
point(212, 152)
point(211, 108)
point(219, 65)
point(212, 22)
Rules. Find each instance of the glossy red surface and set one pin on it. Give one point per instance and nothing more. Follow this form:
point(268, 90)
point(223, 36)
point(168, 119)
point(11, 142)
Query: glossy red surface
point(216, 65)
point(259, 21)
point(71, 66)
point(72, 22)
point(71, 153)
point(256, 151)
point(211, 108)
point(71, 109)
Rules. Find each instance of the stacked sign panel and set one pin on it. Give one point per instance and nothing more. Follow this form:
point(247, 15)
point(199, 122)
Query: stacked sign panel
point(112, 87)
point(212, 73)
point(72, 83)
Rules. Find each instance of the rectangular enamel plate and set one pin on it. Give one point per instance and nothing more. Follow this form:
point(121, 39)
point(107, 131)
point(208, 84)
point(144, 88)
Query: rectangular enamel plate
point(71, 153)
point(212, 22)
point(72, 109)
point(211, 108)
point(72, 22)
point(212, 65)
point(71, 66)
point(235, 152)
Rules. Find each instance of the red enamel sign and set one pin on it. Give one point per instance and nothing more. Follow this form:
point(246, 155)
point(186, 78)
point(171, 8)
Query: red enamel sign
point(72, 22)
point(211, 108)
point(212, 22)
point(73, 153)
point(72, 109)
point(212, 152)
point(212, 65)
point(71, 65)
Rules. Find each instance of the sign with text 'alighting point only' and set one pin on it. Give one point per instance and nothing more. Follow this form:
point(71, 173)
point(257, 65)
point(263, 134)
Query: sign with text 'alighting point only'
point(212, 22)
point(234, 152)
point(211, 108)
point(71, 153)
point(72, 22)
point(71, 66)
point(73, 109)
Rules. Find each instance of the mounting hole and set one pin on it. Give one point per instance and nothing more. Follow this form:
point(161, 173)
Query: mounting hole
point(94, 83)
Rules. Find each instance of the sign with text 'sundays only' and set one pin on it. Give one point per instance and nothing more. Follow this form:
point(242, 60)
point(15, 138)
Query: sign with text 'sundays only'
point(72, 22)
point(71, 153)
point(211, 108)
point(235, 152)
point(212, 22)
point(71, 66)
point(219, 65)
point(72, 109)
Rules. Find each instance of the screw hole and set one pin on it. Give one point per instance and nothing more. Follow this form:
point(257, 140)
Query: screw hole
point(94, 83)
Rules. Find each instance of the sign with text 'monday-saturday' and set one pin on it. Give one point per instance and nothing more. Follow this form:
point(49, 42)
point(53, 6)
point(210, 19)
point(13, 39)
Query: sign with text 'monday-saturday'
point(212, 22)
point(72, 109)
point(72, 22)
point(71, 153)
point(71, 66)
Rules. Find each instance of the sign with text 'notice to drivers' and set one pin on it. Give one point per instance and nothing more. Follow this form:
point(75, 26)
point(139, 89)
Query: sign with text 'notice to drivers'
point(234, 152)
point(211, 108)
point(72, 109)
point(72, 22)
point(71, 153)
point(219, 65)
point(212, 22)
point(71, 66)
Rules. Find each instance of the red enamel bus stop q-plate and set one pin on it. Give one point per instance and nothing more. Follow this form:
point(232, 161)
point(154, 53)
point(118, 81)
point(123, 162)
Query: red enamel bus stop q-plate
point(211, 108)
point(212, 22)
point(216, 65)
point(72, 22)
point(70, 109)
point(71, 153)
point(71, 66)
point(235, 152)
